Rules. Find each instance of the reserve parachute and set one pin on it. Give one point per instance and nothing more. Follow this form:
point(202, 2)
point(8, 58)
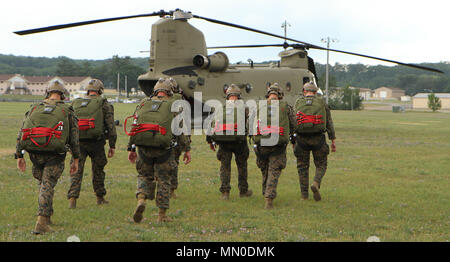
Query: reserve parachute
point(311, 115)
point(90, 116)
point(151, 124)
point(46, 128)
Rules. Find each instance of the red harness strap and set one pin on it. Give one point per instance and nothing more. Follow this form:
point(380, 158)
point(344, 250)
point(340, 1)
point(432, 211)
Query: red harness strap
point(265, 130)
point(302, 118)
point(85, 124)
point(224, 127)
point(139, 128)
point(41, 132)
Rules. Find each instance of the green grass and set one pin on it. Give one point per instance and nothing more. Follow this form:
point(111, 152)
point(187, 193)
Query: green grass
point(389, 178)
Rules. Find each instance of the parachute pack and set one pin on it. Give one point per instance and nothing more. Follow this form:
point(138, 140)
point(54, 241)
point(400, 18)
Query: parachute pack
point(224, 131)
point(46, 128)
point(311, 115)
point(90, 116)
point(266, 115)
point(151, 124)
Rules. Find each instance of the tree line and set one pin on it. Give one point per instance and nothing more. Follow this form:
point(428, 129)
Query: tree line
point(106, 70)
point(411, 80)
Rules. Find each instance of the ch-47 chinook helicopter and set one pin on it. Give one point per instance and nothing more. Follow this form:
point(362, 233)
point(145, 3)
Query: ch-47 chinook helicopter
point(178, 50)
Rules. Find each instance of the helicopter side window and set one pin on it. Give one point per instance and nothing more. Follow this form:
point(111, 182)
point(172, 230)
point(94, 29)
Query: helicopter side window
point(305, 80)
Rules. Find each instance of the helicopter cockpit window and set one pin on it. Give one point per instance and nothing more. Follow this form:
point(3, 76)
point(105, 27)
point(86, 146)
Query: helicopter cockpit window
point(305, 80)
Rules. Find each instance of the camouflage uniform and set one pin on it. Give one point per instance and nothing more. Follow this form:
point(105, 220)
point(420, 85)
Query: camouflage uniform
point(183, 145)
point(320, 150)
point(48, 167)
point(224, 155)
point(96, 151)
point(271, 160)
point(154, 167)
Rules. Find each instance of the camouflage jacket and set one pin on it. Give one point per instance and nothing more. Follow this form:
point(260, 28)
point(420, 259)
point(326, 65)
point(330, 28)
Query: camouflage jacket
point(110, 127)
point(73, 141)
point(330, 126)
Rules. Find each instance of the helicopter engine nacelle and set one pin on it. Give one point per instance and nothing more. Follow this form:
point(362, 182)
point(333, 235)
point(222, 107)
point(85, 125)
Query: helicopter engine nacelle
point(218, 62)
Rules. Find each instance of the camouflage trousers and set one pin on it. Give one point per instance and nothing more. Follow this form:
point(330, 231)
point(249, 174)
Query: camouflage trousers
point(174, 171)
point(224, 155)
point(96, 151)
point(320, 150)
point(47, 169)
point(154, 170)
point(271, 161)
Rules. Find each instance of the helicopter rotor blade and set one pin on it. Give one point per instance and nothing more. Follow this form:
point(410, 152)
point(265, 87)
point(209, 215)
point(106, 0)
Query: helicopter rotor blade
point(251, 29)
point(244, 46)
point(56, 27)
point(382, 59)
point(308, 45)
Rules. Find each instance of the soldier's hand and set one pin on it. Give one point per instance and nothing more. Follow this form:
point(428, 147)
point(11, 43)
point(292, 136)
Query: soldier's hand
point(333, 146)
point(187, 157)
point(111, 152)
point(213, 147)
point(74, 166)
point(21, 165)
point(132, 157)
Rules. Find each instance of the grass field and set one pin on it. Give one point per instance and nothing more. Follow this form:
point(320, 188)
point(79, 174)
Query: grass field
point(388, 178)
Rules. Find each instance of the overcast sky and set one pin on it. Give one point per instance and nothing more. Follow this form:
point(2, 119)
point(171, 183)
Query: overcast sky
point(407, 31)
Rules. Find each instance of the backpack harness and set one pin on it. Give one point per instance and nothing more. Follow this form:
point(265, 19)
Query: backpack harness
point(42, 132)
point(139, 128)
point(265, 130)
point(85, 124)
point(303, 118)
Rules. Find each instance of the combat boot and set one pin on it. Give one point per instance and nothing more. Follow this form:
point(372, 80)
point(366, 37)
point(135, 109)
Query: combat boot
point(162, 217)
point(101, 200)
point(315, 189)
point(72, 203)
point(172, 194)
point(246, 194)
point(137, 217)
point(41, 226)
point(225, 195)
point(269, 203)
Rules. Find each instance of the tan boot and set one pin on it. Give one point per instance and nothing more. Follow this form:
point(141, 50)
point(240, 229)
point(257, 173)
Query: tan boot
point(225, 195)
point(49, 221)
point(246, 194)
point(315, 189)
point(269, 203)
point(137, 217)
point(72, 203)
point(172, 194)
point(41, 226)
point(101, 200)
point(162, 217)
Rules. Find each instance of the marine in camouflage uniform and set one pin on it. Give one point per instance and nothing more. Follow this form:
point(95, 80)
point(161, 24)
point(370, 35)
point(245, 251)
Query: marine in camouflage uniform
point(225, 153)
point(315, 143)
point(271, 160)
point(183, 143)
point(94, 148)
point(47, 166)
point(154, 166)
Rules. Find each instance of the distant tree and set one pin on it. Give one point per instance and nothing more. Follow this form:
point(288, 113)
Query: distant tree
point(346, 99)
point(434, 103)
point(67, 67)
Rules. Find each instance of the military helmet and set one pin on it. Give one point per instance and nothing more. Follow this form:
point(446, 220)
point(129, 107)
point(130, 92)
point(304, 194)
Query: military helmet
point(275, 89)
point(163, 85)
point(310, 86)
point(95, 85)
point(233, 90)
point(57, 86)
point(174, 85)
